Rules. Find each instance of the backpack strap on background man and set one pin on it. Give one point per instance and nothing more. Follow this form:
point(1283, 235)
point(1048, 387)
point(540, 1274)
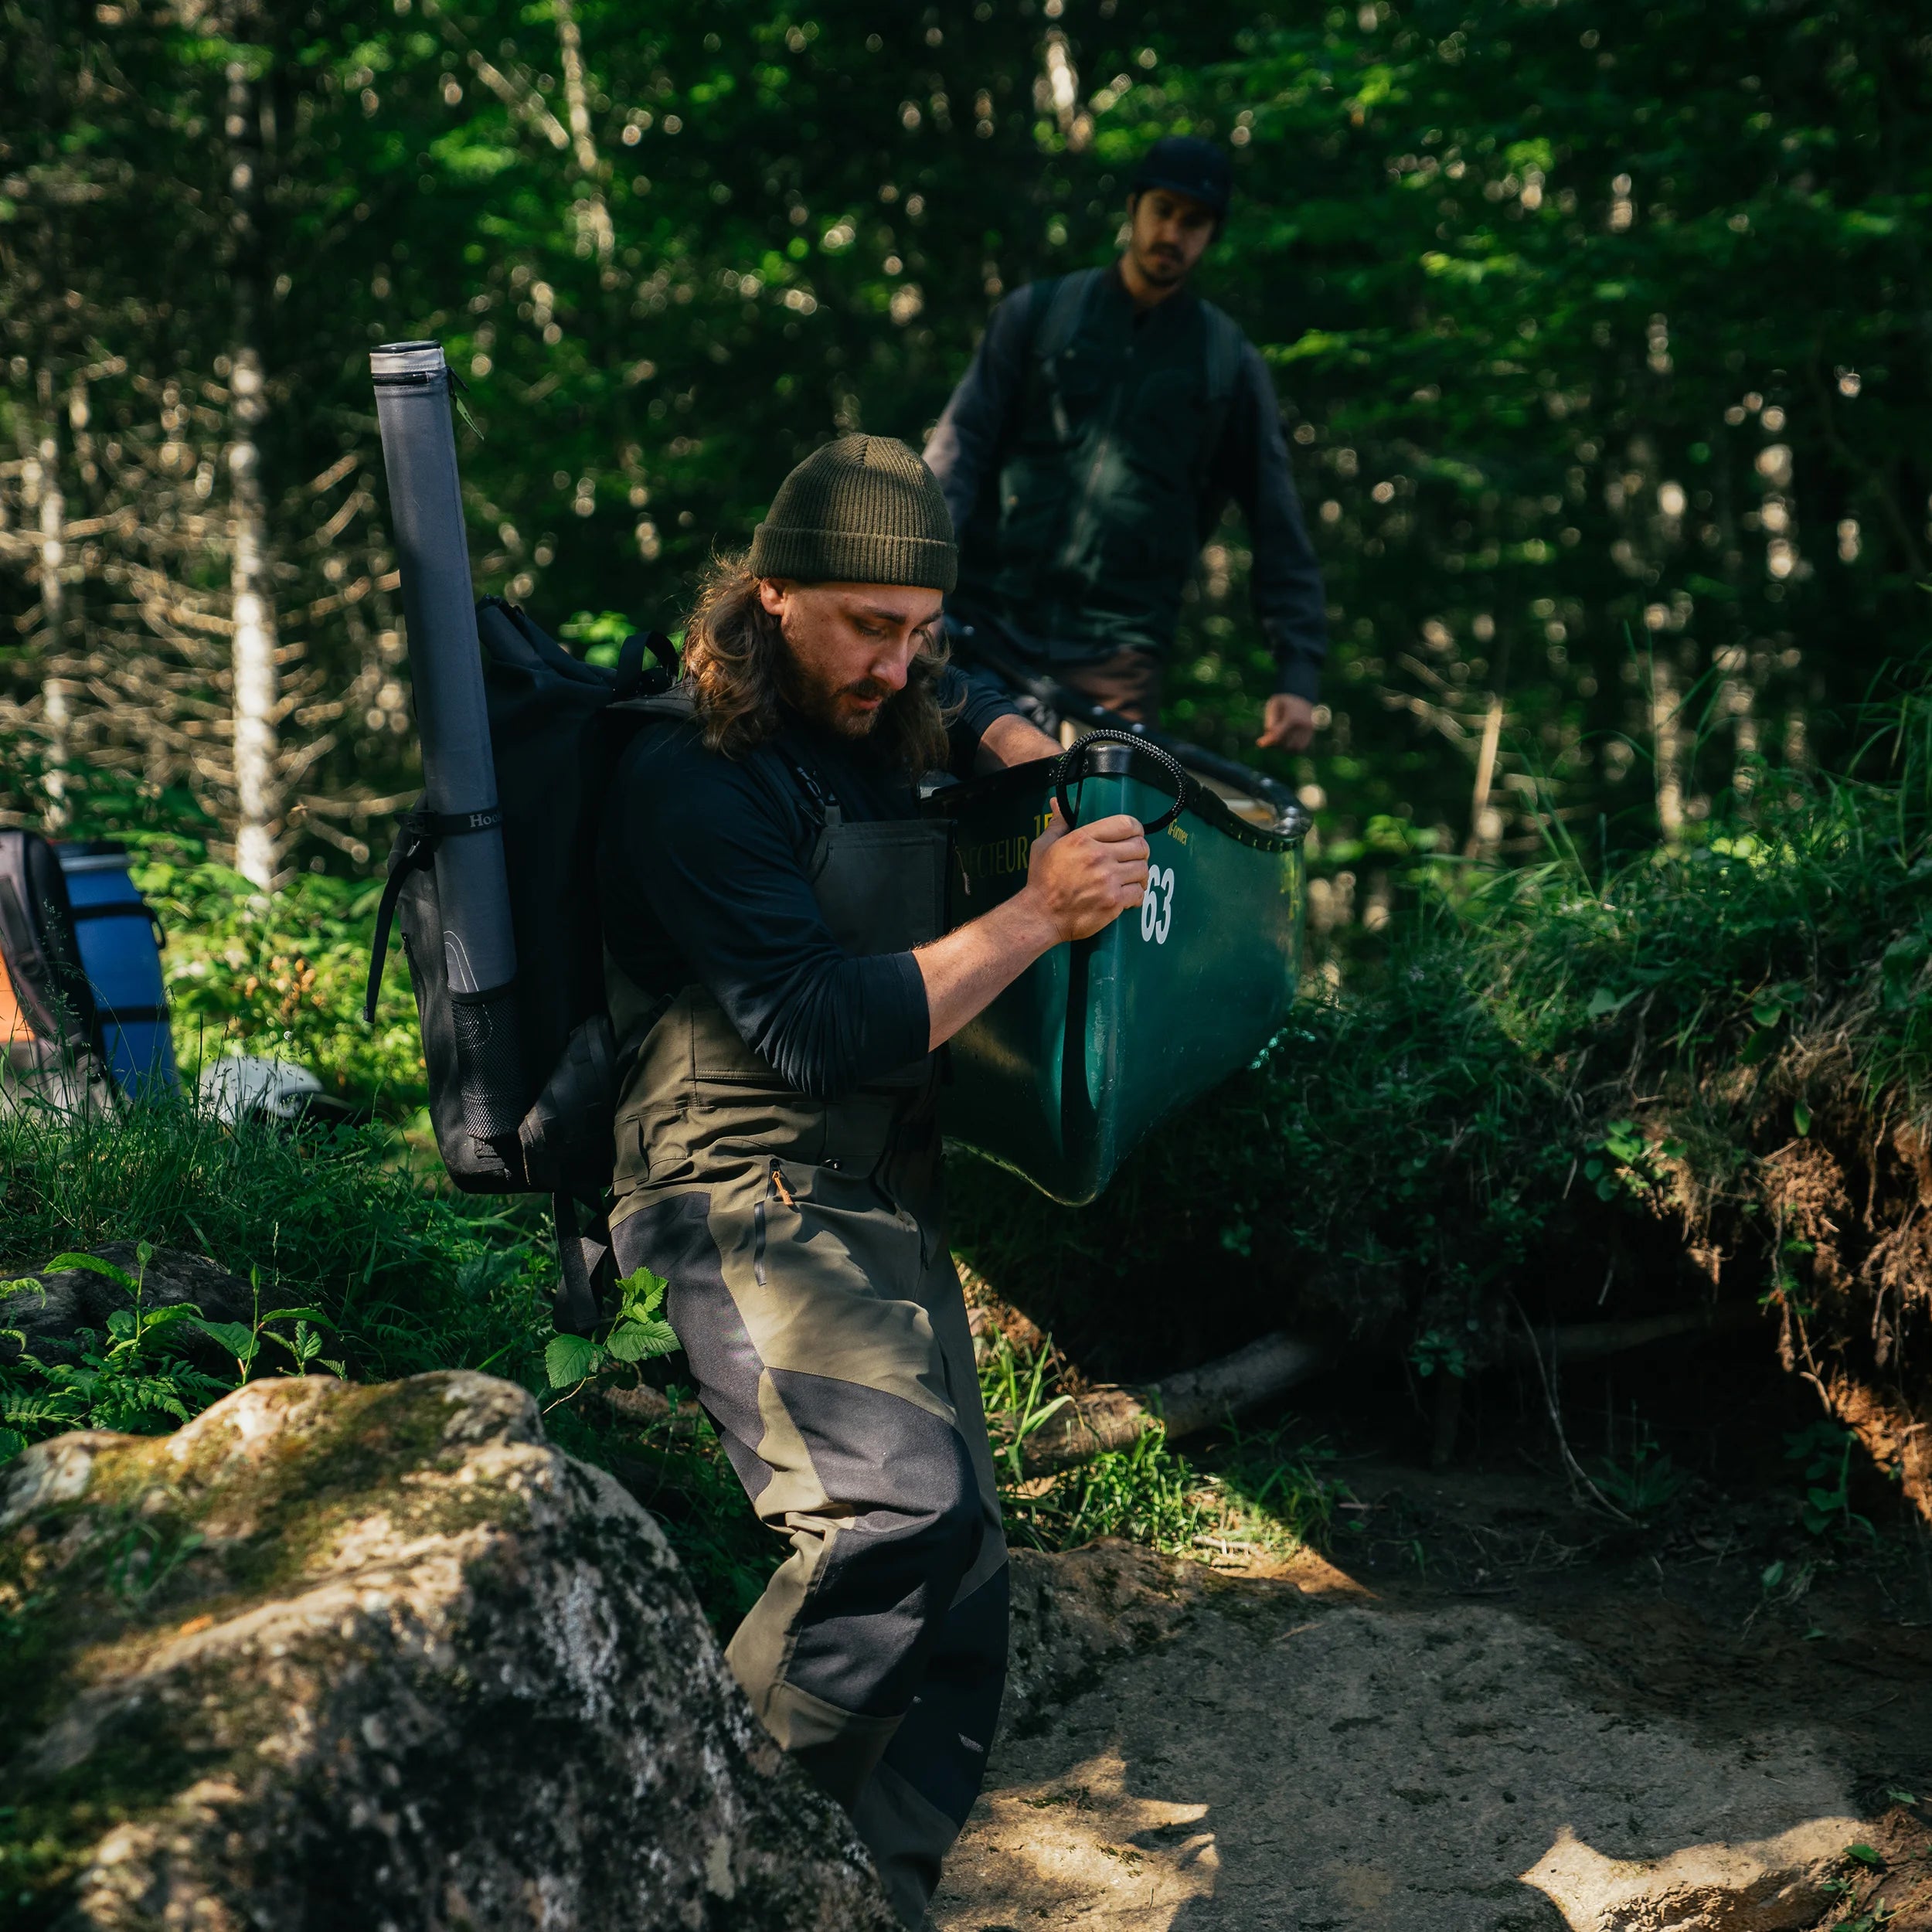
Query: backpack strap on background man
point(1223, 370)
point(1057, 307)
point(1055, 313)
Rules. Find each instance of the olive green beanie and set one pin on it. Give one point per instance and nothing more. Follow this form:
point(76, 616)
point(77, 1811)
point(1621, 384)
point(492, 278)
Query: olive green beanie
point(862, 510)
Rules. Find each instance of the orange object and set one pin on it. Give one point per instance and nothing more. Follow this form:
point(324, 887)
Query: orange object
point(13, 1022)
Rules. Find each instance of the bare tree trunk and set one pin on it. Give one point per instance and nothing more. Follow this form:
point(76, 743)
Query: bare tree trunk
point(1483, 833)
point(256, 684)
point(40, 477)
point(594, 228)
point(1667, 741)
point(1739, 697)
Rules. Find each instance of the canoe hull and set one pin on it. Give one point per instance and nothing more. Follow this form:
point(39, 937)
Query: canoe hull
point(1089, 1049)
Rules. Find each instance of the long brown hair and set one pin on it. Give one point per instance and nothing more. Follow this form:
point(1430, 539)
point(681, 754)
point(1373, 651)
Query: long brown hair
point(737, 669)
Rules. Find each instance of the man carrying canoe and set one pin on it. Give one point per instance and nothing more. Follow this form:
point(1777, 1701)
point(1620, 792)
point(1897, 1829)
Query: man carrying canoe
point(1107, 418)
point(774, 913)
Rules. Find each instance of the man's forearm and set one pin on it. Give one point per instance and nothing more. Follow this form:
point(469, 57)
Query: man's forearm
point(1013, 740)
point(968, 969)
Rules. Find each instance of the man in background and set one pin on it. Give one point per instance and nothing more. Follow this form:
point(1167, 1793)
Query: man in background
point(1106, 419)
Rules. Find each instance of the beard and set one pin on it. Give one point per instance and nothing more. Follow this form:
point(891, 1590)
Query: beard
point(840, 709)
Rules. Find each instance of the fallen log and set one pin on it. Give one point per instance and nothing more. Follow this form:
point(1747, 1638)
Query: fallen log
point(1590, 1341)
point(1115, 1417)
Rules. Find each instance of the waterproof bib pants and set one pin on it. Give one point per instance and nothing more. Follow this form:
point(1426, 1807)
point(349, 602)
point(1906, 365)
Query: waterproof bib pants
point(812, 1290)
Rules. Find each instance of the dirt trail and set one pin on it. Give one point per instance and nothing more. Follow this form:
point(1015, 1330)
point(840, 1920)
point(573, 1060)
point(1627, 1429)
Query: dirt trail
point(1494, 1716)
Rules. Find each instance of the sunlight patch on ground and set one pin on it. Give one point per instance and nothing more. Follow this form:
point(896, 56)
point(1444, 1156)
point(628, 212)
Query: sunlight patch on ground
point(1765, 1884)
point(1082, 1849)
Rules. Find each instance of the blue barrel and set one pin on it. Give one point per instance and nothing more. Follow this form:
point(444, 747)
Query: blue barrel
point(120, 942)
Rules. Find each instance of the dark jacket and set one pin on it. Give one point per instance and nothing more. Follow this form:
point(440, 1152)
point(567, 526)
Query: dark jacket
point(1087, 456)
point(702, 876)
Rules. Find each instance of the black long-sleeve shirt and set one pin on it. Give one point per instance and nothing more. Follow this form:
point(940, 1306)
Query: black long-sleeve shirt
point(701, 875)
point(1250, 466)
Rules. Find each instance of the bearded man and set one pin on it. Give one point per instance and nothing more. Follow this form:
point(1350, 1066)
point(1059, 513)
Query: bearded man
point(774, 909)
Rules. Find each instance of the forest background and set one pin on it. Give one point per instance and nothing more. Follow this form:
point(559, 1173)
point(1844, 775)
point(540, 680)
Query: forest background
point(1601, 338)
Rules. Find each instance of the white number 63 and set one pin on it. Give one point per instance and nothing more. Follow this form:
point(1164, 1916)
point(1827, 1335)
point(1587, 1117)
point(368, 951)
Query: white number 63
point(1157, 908)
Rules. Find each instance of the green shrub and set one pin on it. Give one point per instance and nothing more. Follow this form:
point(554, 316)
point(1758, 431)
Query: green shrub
point(1542, 1062)
point(282, 975)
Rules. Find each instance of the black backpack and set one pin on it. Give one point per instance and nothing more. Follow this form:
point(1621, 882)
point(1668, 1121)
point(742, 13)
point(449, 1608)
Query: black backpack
point(49, 1024)
point(554, 738)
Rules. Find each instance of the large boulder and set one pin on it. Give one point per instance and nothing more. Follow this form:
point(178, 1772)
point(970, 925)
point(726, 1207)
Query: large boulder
point(334, 1656)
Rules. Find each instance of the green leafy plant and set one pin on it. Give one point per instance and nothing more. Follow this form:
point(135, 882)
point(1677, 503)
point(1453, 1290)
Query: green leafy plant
point(636, 1333)
point(127, 1380)
point(243, 1340)
point(1644, 1481)
point(1624, 1163)
point(1439, 1349)
point(1825, 1449)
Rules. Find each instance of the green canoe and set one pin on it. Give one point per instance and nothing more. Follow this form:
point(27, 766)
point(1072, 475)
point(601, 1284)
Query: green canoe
point(1066, 1071)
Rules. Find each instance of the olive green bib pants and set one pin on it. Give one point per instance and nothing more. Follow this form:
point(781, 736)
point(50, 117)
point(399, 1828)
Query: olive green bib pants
point(813, 1292)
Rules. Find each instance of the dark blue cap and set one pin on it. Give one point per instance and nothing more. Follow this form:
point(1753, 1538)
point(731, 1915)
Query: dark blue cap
point(1185, 164)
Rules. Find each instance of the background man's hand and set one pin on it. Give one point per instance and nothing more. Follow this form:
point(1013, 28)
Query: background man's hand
point(1289, 724)
point(1085, 879)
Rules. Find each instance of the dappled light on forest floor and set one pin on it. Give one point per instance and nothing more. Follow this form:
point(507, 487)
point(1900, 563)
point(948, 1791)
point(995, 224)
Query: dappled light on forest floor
point(1279, 1758)
point(1778, 1882)
point(1084, 1846)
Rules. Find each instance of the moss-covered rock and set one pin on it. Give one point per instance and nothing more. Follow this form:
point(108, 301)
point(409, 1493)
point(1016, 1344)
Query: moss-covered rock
point(334, 1656)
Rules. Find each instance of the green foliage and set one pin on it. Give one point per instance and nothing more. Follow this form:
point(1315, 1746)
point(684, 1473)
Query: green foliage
point(636, 1333)
point(1642, 1483)
point(1013, 1389)
point(1825, 1449)
point(130, 1380)
point(1601, 350)
point(282, 975)
point(1258, 1493)
point(340, 1238)
point(1623, 1164)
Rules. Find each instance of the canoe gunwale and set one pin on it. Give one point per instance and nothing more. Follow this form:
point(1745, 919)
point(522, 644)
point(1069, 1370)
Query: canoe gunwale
point(952, 801)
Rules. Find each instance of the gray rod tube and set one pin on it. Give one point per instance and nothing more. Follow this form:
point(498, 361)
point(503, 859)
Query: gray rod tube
point(446, 674)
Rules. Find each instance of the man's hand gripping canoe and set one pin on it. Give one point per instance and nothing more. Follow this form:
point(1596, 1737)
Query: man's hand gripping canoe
point(1078, 882)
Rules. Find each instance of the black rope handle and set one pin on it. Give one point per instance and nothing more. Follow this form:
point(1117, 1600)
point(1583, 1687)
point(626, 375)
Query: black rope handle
point(1066, 773)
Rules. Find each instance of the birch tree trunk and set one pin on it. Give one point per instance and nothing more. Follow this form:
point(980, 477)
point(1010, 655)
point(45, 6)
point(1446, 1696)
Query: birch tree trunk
point(594, 228)
point(1667, 742)
point(251, 582)
point(40, 480)
point(1486, 825)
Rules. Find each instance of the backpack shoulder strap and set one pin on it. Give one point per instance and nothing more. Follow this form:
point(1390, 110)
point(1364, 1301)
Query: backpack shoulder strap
point(819, 802)
point(1222, 352)
point(633, 681)
point(1225, 343)
point(1056, 308)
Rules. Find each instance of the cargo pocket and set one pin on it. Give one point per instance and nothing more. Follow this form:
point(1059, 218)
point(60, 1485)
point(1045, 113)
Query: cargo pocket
point(859, 1129)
